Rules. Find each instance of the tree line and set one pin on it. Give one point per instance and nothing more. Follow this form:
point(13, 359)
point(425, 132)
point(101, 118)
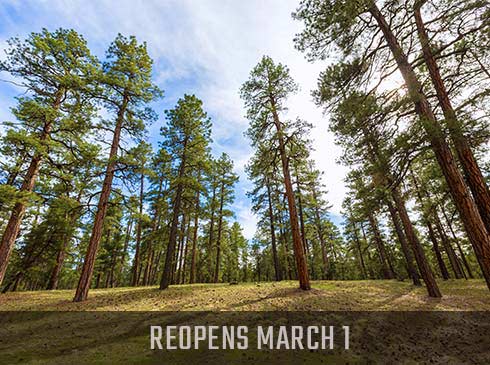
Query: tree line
point(85, 200)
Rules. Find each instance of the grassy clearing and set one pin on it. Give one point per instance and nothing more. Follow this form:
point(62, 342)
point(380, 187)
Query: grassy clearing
point(378, 295)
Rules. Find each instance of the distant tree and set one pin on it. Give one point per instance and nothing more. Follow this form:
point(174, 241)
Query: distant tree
point(226, 181)
point(139, 159)
point(237, 243)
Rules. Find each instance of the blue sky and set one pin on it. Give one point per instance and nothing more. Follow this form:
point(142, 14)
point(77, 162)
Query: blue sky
point(202, 47)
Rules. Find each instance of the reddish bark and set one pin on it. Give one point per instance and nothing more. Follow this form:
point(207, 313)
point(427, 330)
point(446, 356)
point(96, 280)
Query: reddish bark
point(453, 260)
point(418, 251)
point(55, 274)
point(412, 271)
point(456, 240)
point(93, 246)
point(299, 254)
point(470, 216)
point(472, 172)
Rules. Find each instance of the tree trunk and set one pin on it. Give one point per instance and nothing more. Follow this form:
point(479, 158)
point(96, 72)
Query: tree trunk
point(285, 246)
point(176, 269)
point(437, 251)
point(465, 262)
point(301, 266)
point(194, 238)
point(275, 258)
point(148, 266)
point(153, 259)
point(321, 236)
point(220, 228)
point(370, 267)
point(186, 249)
point(425, 270)
point(166, 275)
point(301, 218)
point(447, 247)
point(211, 228)
point(113, 269)
point(182, 250)
point(453, 260)
point(13, 284)
point(456, 240)
point(472, 172)
point(97, 281)
point(125, 248)
point(427, 218)
point(17, 280)
point(388, 181)
point(156, 263)
point(136, 261)
point(93, 246)
point(412, 271)
point(13, 226)
point(387, 271)
point(55, 274)
point(361, 258)
point(474, 226)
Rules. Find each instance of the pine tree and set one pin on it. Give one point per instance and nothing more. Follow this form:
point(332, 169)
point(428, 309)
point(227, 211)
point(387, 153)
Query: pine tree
point(226, 180)
point(347, 26)
point(55, 68)
point(127, 88)
point(263, 172)
point(187, 135)
point(264, 95)
point(237, 245)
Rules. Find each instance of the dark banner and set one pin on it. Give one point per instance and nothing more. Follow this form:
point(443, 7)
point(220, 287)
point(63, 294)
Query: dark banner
point(245, 337)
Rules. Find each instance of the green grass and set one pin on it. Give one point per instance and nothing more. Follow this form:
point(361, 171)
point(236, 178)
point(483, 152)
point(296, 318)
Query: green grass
point(325, 295)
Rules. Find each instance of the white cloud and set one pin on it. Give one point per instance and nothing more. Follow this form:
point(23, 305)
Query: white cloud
point(236, 39)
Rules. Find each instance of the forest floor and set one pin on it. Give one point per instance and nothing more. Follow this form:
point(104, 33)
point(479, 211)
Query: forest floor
point(372, 295)
point(112, 326)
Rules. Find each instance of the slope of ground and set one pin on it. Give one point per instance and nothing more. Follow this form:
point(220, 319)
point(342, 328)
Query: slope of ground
point(379, 295)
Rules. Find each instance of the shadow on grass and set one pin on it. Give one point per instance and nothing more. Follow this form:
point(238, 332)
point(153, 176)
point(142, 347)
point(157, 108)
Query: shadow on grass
point(106, 299)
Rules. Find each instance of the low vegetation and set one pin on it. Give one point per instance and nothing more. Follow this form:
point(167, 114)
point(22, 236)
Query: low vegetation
point(379, 295)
